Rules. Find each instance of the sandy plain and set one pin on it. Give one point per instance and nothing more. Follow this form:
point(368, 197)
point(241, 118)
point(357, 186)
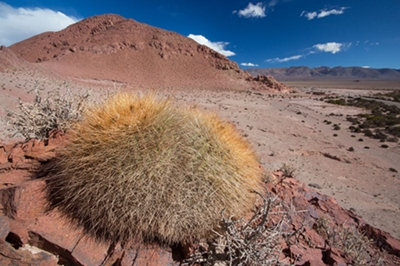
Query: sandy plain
point(283, 129)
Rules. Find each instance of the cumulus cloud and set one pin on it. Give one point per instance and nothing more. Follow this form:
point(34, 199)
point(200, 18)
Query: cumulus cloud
point(17, 24)
point(252, 11)
point(322, 13)
point(249, 64)
point(216, 46)
point(286, 59)
point(330, 47)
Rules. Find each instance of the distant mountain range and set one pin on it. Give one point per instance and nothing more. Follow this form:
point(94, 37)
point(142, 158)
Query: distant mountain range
point(327, 73)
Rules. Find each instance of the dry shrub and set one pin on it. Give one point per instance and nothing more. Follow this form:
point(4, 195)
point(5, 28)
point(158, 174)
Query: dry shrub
point(288, 170)
point(56, 111)
point(139, 166)
point(256, 241)
point(354, 244)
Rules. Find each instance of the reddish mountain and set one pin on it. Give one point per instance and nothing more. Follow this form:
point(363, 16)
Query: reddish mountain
point(110, 47)
point(9, 60)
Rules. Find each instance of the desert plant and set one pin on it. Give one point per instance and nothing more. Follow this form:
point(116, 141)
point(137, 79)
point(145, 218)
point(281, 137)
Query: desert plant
point(54, 112)
point(355, 244)
point(288, 170)
point(255, 241)
point(140, 167)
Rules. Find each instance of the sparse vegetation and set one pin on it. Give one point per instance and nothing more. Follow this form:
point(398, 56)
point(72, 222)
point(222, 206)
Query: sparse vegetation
point(354, 243)
point(44, 114)
point(288, 170)
point(246, 242)
point(389, 96)
point(383, 119)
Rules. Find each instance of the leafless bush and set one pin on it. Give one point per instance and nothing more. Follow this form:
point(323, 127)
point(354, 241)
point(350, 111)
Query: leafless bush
point(240, 242)
point(288, 170)
point(355, 244)
point(55, 111)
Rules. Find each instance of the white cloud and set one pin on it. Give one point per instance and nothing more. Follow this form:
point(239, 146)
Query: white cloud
point(17, 24)
point(216, 46)
point(286, 59)
point(272, 3)
point(330, 47)
point(365, 66)
point(253, 11)
point(249, 64)
point(323, 13)
point(309, 15)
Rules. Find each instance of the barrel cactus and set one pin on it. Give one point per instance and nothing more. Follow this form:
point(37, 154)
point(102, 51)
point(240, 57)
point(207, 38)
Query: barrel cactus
point(140, 167)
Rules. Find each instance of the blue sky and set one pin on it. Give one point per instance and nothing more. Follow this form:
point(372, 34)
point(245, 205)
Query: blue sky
point(267, 34)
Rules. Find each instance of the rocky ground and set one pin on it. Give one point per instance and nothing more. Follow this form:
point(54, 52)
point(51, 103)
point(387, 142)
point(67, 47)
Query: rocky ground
point(318, 231)
point(290, 130)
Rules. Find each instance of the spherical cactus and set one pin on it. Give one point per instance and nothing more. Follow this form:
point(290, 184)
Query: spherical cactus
point(140, 167)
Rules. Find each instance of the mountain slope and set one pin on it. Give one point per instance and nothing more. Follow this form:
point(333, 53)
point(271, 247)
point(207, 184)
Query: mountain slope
point(110, 47)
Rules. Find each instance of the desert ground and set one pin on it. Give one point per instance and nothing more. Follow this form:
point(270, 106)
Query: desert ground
point(283, 129)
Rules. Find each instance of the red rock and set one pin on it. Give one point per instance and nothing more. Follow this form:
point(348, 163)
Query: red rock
point(14, 178)
point(7, 202)
point(317, 240)
point(147, 255)
point(4, 228)
point(3, 155)
point(24, 256)
point(310, 257)
point(55, 230)
point(333, 257)
point(29, 200)
point(89, 252)
point(383, 239)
